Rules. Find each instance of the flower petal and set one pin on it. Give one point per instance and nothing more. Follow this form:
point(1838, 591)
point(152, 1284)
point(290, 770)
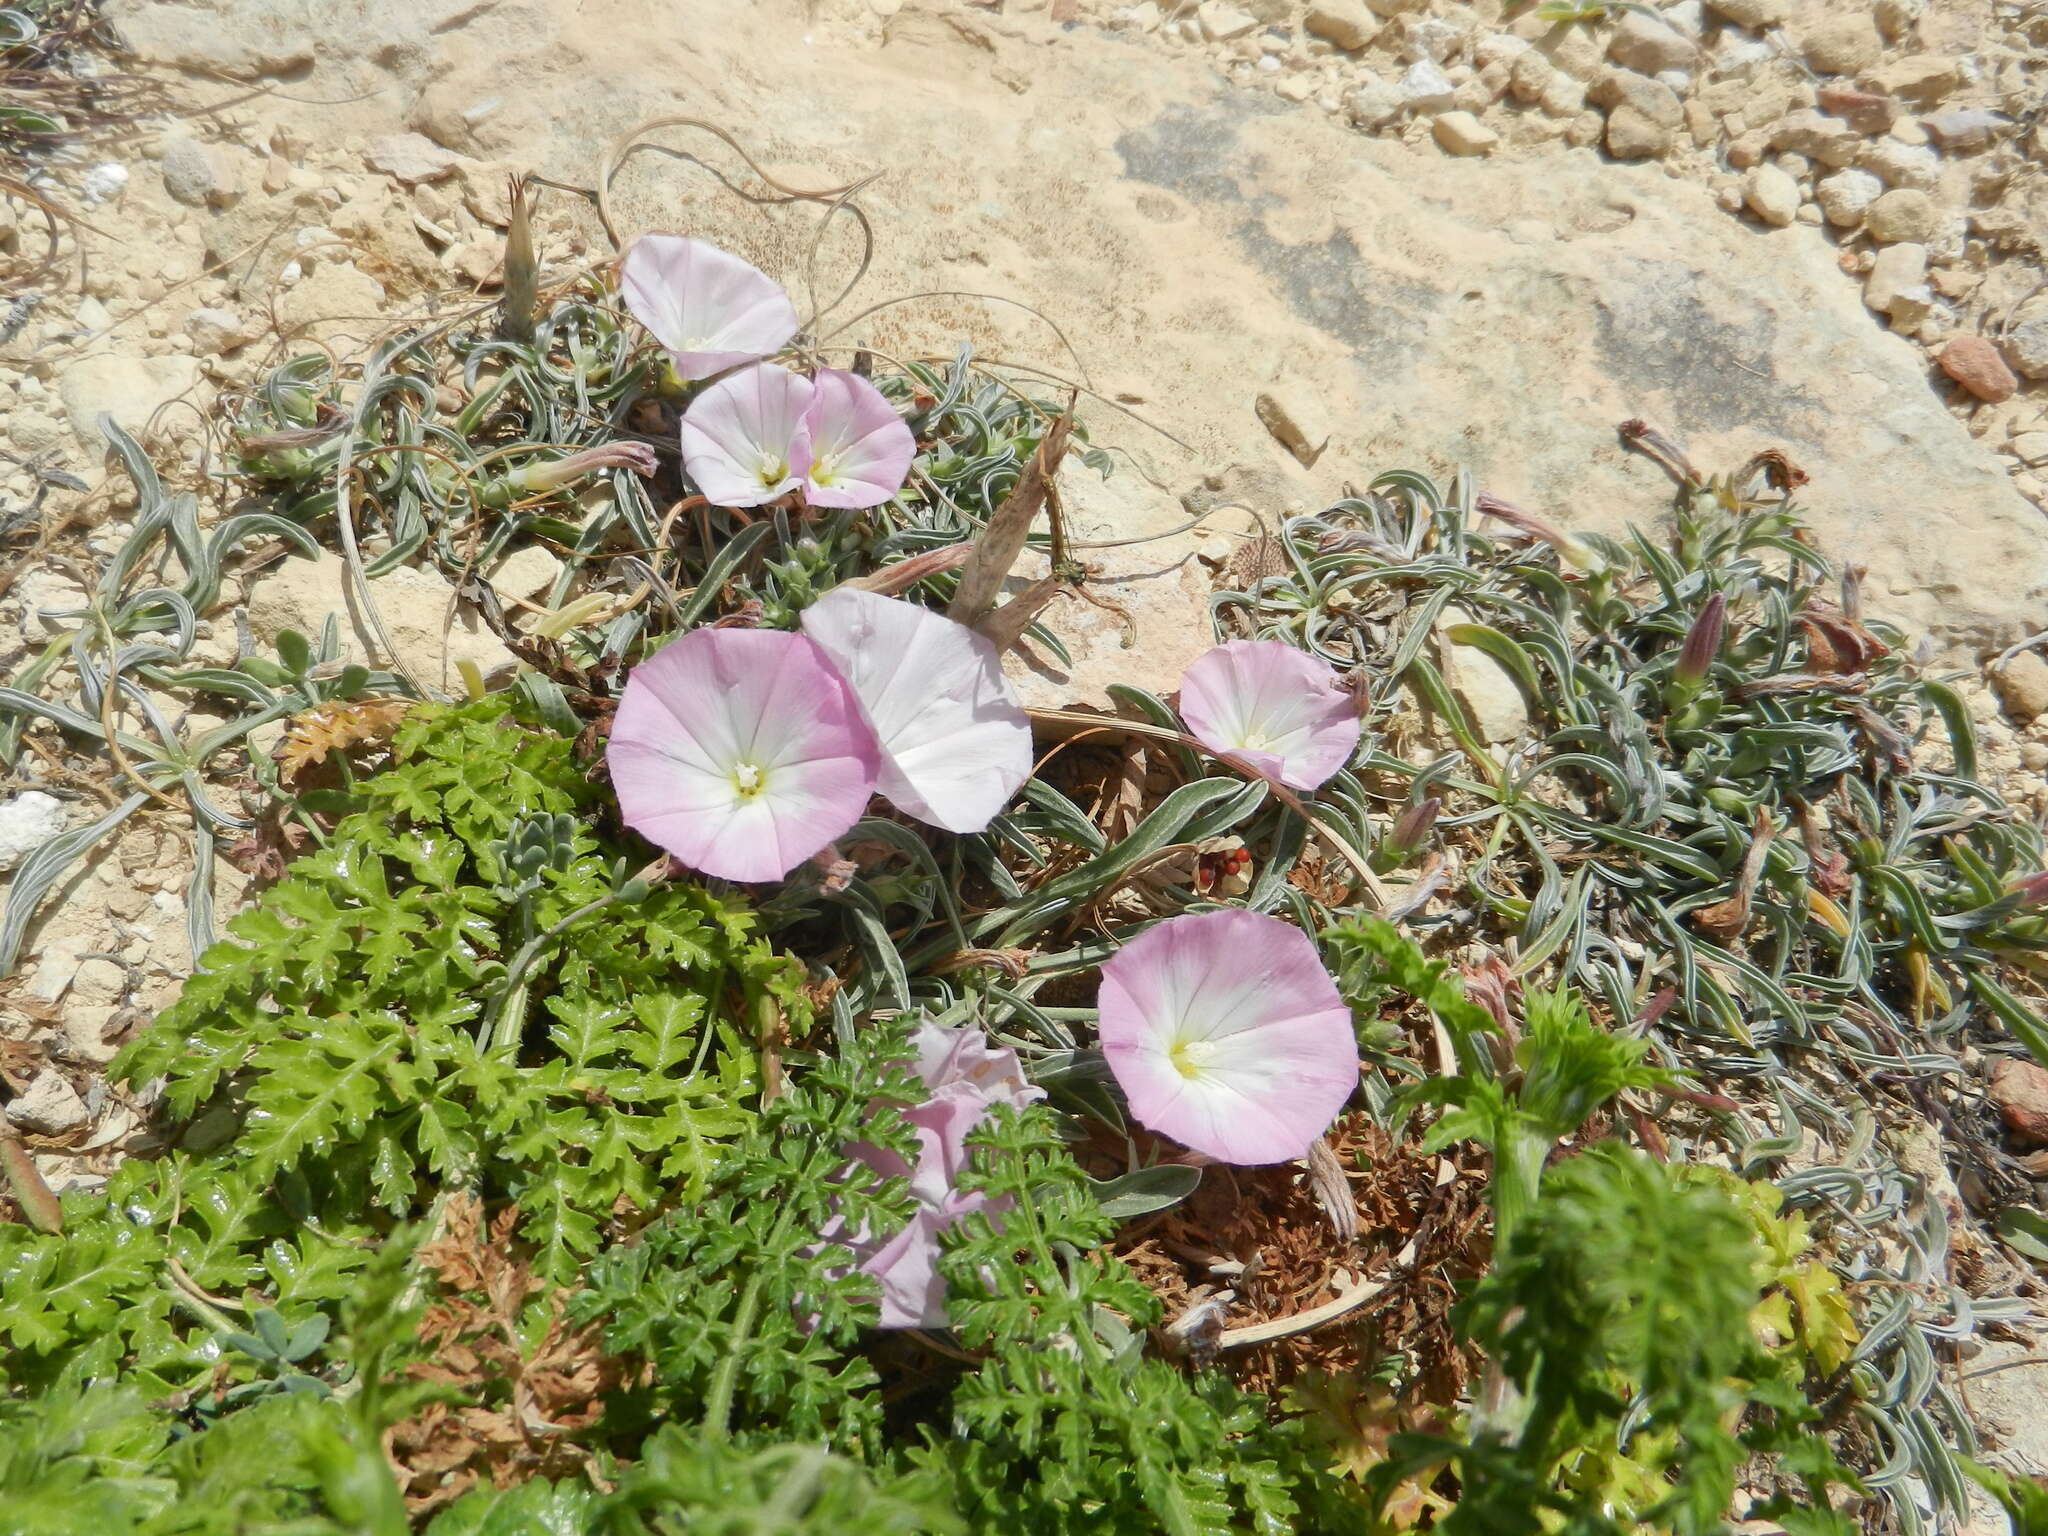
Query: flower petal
point(745, 439)
point(966, 1076)
point(741, 752)
point(1278, 711)
point(860, 447)
point(955, 741)
point(711, 310)
point(1227, 1035)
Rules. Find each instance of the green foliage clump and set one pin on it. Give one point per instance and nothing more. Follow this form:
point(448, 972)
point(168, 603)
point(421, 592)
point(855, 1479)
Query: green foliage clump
point(1066, 1425)
point(1620, 1316)
point(423, 1004)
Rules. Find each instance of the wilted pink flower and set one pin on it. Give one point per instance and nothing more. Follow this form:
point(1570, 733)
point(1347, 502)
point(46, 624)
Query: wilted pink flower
point(1278, 711)
point(740, 751)
point(2032, 890)
point(548, 475)
point(747, 439)
point(860, 448)
point(711, 310)
point(955, 742)
point(965, 1077)
point(1227, 1035)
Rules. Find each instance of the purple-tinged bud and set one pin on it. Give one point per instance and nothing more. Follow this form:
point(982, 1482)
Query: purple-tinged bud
point(1702, 643)
point(1413, 827)
point(555, 473)
point(1575, 552)
point(2032, 891)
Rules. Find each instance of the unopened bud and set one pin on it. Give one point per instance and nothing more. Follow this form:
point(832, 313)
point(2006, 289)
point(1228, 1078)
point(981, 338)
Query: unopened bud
point(1702, 644)
point(1413, 827)
point(552, 475)
point(1575, 552)
point(2032, 891)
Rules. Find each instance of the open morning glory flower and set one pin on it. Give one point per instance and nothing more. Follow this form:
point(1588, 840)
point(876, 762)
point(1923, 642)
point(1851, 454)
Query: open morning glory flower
point(747, 439)
point(955, 742)
point(965, 1077)
point(860, 448)
point(1278, 711)
point(711, 310)
point(740, 751)
point(1227, 1035)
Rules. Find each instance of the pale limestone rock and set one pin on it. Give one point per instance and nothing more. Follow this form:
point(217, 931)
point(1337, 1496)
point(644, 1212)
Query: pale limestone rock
point(1424, 87)
point(1460, 133)
point(196, 174)
point(2022, 686)
point(127, 388)
point(413, 157)
point(1847, 195)
point(27, 821)
point(528, 572)
point(1771, 195)
point(49, 1107)
point(1896, 269)
point(1900, 165)
point(1842, 45)
point(429, 634)
point(1346, 24)
point(1487, 689)
point(215, 331)
point(1754, 14)
point(333, 300)
point(1649, 47)
point(1903, 213)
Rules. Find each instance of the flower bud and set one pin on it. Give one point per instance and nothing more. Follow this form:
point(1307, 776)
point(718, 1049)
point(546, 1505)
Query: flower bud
point(2032, 890)
point(1413, 827)
point(555, 473)
point(1702, 644)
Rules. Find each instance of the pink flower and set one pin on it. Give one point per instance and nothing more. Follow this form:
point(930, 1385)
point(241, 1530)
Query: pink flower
point(746, 439)
point(955, 742)
point(711, 310)
point(860, 448)
point(964, 1077)
point(1278, 711)
point(740, 751)
point(1227, 1035)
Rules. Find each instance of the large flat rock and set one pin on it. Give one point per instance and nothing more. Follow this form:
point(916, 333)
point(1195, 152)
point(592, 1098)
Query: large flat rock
point(1199, 245)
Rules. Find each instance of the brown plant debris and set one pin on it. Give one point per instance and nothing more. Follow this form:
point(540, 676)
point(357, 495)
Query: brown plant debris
point(520, 1408)
point(336, 727)
point(1262, 1234)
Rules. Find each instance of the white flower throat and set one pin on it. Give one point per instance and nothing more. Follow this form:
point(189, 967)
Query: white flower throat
point(748, 779)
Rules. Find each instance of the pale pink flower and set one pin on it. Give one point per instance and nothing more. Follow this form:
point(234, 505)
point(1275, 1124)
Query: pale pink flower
point(746, 439)
point(1278, 711)
point(1228, 1036)
point(860, 448)
point(955, 742)
point(740, 751)
point(964, 1077)
point(711, 310)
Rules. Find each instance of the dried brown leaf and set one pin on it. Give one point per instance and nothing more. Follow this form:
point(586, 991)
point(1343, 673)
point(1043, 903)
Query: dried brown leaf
point(336, 727)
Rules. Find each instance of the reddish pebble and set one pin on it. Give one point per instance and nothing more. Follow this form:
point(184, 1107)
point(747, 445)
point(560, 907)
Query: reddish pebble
point(1975, 364)
point(2020, 1090)
point(1865, 111)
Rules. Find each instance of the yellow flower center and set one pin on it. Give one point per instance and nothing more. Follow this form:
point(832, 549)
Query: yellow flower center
point(748, 780)
point(824, 471)
point(1189, 1057)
